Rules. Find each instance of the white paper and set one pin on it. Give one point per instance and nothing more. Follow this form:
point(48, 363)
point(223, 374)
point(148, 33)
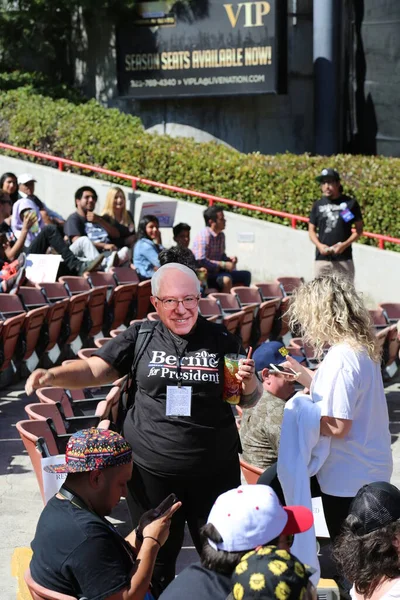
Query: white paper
point(164, 211)
point(52, 481)
point(321, 530)
point(42, 267)
point(179, 401)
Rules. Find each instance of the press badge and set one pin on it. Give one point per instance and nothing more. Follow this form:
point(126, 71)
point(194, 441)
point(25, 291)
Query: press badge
point(179, 401)
point(346, 215)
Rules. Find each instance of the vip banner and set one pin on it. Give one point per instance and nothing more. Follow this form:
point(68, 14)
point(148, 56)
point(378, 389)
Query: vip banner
point(202, 48)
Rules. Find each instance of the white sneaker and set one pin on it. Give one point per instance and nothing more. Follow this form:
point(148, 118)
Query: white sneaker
point(124, 255)
point(112, 261)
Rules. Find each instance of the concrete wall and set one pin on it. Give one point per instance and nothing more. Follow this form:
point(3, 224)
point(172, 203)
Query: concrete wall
point(268, 250)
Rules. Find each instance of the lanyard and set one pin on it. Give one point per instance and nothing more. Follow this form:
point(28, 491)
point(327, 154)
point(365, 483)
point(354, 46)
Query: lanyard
point(77, 501)
point(179, 361)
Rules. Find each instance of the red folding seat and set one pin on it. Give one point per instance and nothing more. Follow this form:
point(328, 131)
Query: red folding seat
point(33, 298)
point(229, 304)
point(143, 305)
point(30, 331)
point(270, 290)
point(120, 297)
point(290, 283)
point(10, 329)
point(125, 275)
point(96, 304)
point(54, 292)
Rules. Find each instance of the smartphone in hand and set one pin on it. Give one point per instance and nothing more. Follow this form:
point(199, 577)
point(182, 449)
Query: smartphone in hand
point(283, 370)
point(165, 505)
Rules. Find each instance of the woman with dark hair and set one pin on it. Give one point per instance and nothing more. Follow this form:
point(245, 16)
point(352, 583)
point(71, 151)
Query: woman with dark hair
point(367, 551)
point(147, 247)
point(9, 184)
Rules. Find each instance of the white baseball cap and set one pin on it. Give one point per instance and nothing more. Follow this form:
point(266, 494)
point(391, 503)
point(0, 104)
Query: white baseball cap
point(251, 515)
point(25, 178)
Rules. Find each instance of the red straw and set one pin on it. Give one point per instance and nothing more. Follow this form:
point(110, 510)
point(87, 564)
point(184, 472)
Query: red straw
point(249, 352)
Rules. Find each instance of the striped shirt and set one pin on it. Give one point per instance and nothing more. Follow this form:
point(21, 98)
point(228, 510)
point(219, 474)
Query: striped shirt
point(209, 249)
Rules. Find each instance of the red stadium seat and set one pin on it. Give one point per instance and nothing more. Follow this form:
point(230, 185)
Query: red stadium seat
point(290, 283)
point(120, 297)
point(75, 310)
point(38, 592)
point(96, 304)
point(250, 472)
point(32, 298)
point(11, 305)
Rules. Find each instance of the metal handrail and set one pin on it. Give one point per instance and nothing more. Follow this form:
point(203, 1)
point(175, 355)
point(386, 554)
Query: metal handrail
point(382, 239)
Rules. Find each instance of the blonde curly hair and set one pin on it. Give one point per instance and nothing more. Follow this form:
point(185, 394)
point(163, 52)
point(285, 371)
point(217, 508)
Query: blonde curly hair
point(328, 310)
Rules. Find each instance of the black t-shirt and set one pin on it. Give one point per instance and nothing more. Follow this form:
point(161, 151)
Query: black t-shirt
point(189, 446)
point(333, 220)
point(77, 553)
point(75, 226)
point(198, 583)
point(123, 230)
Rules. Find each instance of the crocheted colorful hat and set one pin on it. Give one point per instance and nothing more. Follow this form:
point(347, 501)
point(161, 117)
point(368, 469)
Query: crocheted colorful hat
point(91, 449)
point(270, 573)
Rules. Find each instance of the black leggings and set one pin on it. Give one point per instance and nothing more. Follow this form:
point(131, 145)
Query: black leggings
point(197, 494)
point(336, 508)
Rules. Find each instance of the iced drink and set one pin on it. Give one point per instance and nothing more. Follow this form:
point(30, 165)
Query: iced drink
point(232, 387)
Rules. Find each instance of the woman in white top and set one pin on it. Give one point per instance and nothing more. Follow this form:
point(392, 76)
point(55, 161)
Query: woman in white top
point(349, 386)
point(367, 551)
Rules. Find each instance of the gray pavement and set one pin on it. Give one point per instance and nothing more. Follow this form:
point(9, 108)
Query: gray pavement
point(20, 500)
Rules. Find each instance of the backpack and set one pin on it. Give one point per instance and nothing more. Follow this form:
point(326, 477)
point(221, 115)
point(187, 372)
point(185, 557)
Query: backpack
point(144, 335)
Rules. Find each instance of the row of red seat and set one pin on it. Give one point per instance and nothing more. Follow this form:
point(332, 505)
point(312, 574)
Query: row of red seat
point(40, 317)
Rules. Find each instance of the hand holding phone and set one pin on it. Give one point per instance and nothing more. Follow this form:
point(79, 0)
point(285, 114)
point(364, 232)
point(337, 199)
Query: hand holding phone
point(154, 513)
point(284, 371)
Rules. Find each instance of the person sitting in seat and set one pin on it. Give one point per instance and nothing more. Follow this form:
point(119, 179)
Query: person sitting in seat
point(241, 520)
point(147, 247)
point(116, 214)
point(260, 427)
point(36, 242)
point(9, 184)
point(76, 551)
point(90, 234)
point(209, 251)
point(26, 183)
point(181, 233)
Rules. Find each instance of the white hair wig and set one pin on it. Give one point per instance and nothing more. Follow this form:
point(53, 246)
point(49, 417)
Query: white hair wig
point(163, 272)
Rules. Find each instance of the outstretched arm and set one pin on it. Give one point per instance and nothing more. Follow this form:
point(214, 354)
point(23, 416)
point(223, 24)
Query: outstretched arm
point(76, 375)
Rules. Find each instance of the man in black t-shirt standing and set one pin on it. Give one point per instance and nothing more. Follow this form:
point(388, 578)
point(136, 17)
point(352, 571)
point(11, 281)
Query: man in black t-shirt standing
point(330, 228)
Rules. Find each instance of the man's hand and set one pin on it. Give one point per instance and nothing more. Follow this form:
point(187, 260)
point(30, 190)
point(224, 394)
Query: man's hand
point(324, 249)
point(233, 259)
point(229, 266)
point(246, 370)
point(338, 248)
point(91, 216)
point(29, 220)
point(38, 379)
point(159, 528)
